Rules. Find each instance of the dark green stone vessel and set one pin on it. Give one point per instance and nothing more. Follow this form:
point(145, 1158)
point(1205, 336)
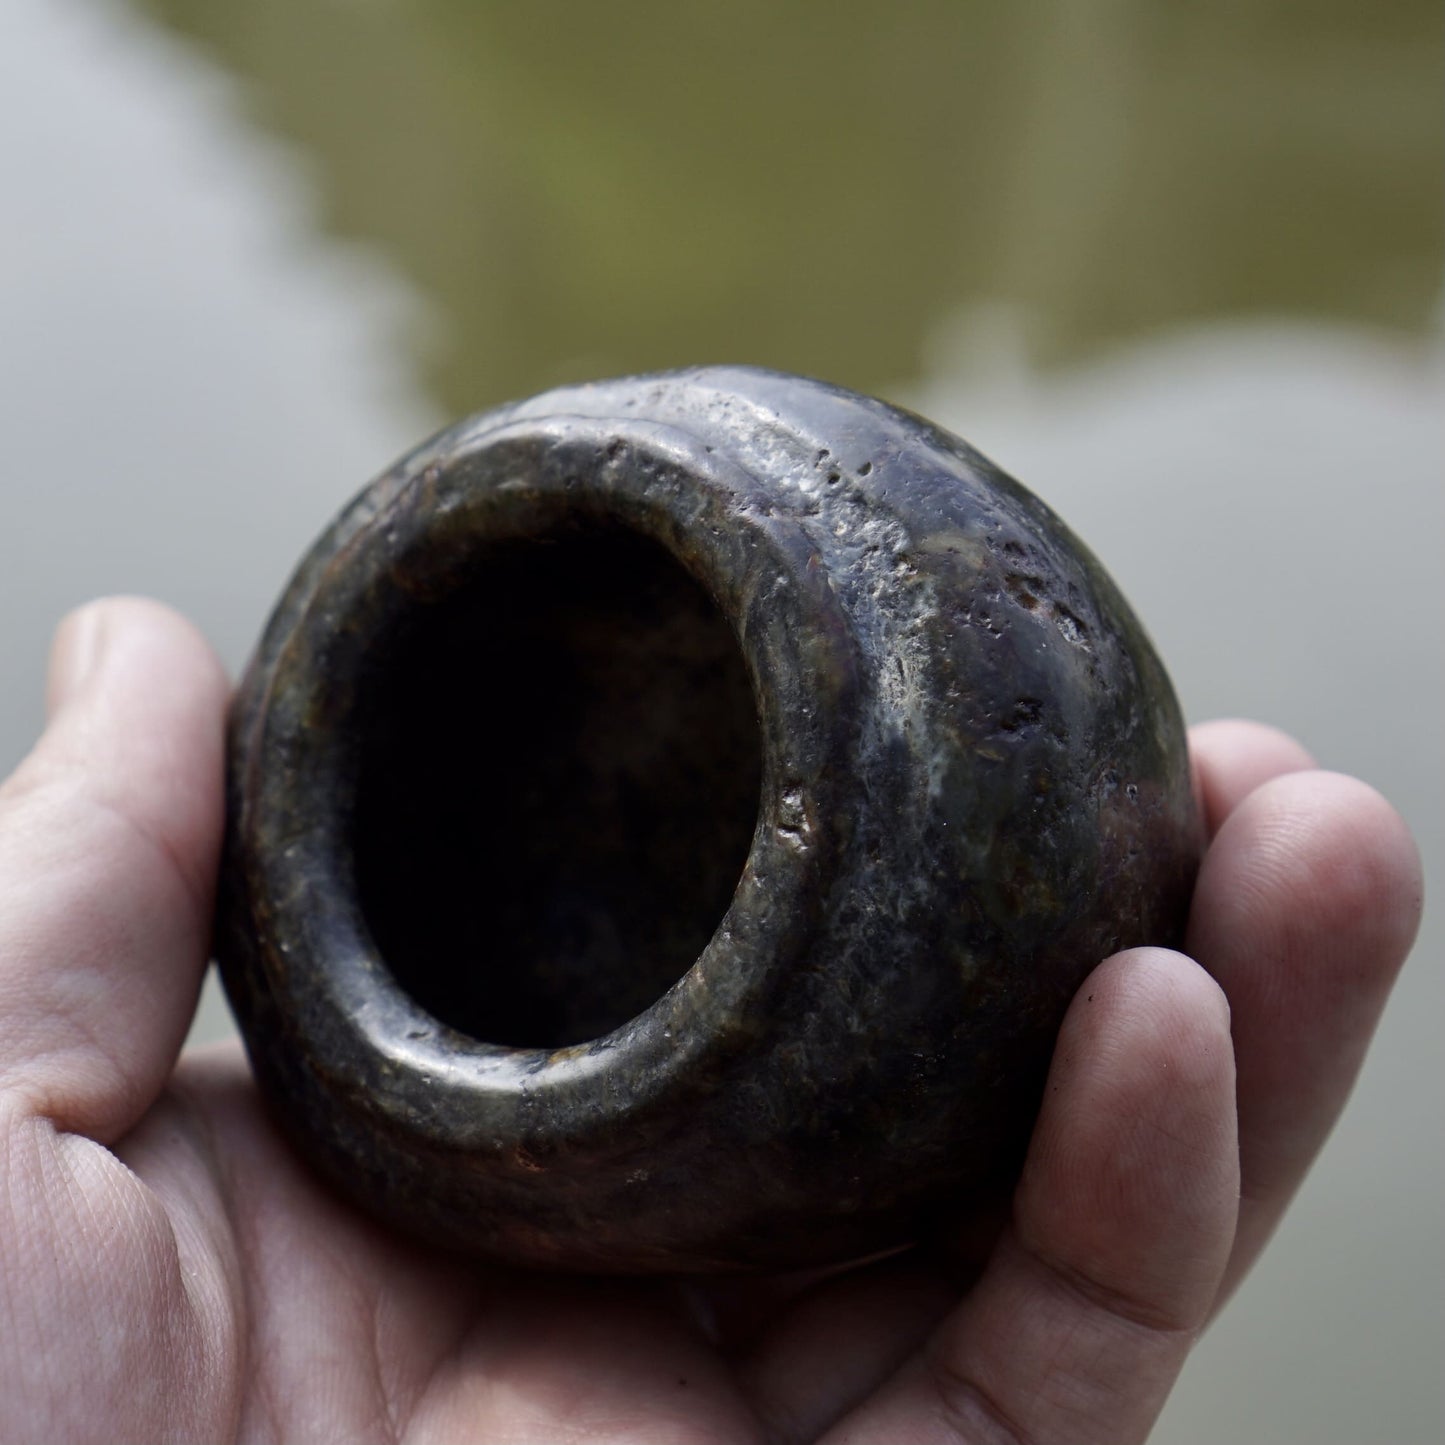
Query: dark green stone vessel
point(670, 817)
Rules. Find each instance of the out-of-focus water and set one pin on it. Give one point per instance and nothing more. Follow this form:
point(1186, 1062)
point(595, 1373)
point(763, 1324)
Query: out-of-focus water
point(1176, 267)
point(582, 190)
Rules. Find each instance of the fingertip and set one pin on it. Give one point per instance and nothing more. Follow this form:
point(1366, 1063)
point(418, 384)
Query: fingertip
point(138, 702)
point(1317, 853)
point(1234, 756)
point(1140, 1107)
point(88, 637)
point(1243, 733)
point(1155, 1007)
point(74, 652)
point(1375, 870)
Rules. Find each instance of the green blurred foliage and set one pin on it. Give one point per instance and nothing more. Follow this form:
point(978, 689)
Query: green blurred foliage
point(581, 189)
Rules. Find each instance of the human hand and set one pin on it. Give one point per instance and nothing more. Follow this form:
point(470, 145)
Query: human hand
point(168, 1270)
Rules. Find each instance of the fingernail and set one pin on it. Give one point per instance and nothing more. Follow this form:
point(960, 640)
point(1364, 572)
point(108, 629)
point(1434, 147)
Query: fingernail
point(75, 654)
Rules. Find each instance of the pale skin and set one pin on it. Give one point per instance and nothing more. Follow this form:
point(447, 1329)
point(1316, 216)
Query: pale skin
point(170, 1272)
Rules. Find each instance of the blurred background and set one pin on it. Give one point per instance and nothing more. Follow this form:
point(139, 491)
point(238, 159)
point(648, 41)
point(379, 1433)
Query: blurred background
point(1176, 267)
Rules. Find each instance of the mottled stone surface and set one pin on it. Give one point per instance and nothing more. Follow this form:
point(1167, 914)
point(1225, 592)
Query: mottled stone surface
point(669, 818)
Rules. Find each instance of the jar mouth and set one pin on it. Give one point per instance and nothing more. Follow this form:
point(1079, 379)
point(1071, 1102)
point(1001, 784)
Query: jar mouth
point(558, 782)
point(575, 526)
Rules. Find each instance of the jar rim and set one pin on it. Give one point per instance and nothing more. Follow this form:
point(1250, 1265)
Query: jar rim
point(506, 480)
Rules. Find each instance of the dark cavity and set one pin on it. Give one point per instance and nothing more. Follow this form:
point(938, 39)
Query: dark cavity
point(559, 776)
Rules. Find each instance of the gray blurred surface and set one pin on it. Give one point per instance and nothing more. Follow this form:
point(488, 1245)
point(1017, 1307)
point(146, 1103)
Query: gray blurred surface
point(191, 383)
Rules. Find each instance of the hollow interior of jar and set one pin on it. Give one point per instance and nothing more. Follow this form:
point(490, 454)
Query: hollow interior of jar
point(558, 781)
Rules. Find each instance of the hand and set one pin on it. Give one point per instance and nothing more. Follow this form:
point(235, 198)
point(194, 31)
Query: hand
point(169, 1272)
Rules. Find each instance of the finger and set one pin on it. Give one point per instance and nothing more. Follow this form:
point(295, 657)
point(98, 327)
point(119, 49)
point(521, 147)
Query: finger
point(109, 833)
point(1306, 905)
point(1232, 757)
point(1122, 1226)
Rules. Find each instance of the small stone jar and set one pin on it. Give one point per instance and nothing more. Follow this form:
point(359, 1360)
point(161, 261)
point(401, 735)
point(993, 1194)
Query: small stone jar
point(669, 819)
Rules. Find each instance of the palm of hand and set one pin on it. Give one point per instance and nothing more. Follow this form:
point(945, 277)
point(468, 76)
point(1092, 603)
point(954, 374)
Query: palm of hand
point(168, 1271)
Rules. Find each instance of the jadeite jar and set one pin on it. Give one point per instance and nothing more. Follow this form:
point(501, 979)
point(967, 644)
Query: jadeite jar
point(670, 817)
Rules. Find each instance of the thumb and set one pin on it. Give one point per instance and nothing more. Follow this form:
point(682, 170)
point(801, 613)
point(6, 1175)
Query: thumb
point(109, 834)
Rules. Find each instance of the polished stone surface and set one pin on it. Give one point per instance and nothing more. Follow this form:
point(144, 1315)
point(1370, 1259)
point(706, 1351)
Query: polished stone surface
point(669, 818)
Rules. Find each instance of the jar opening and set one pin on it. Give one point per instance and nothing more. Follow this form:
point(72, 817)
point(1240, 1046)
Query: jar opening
point(560, 765)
